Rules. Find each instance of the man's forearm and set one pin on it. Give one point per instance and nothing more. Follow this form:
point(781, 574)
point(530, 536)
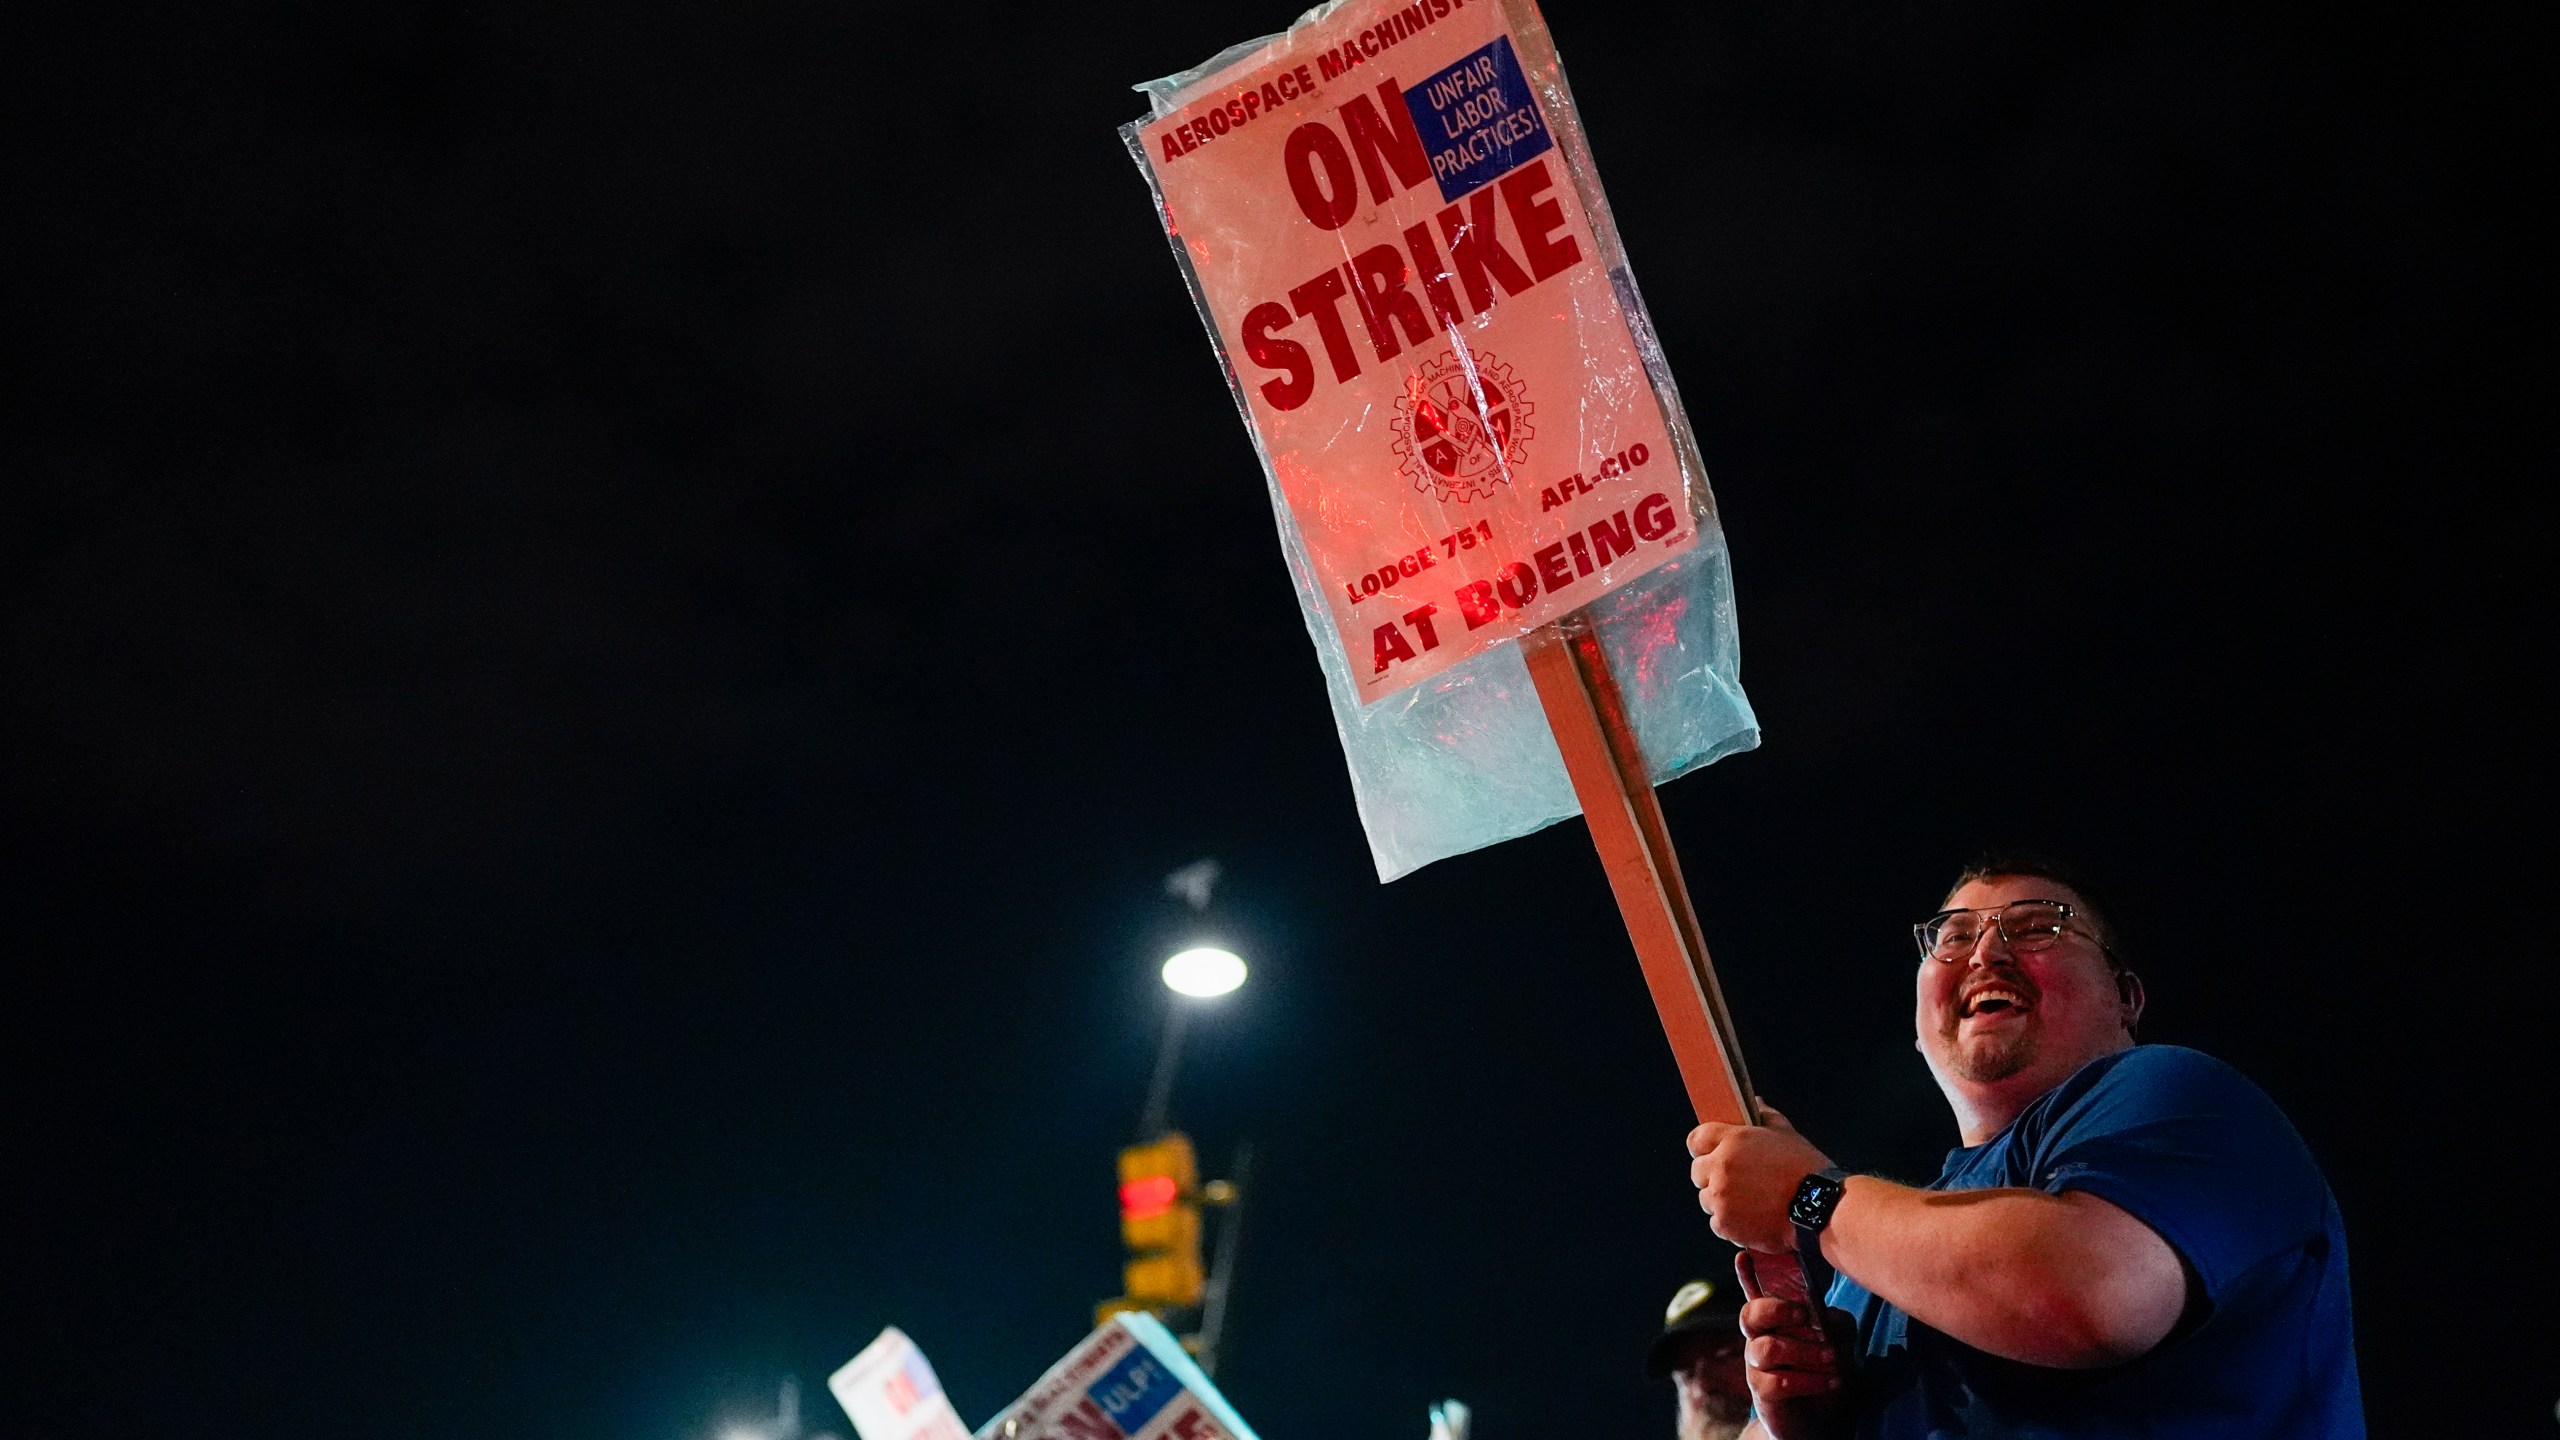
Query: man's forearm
point(2060, 1280)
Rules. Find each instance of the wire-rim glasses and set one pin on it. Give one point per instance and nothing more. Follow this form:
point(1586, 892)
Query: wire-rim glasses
point(2024, 925)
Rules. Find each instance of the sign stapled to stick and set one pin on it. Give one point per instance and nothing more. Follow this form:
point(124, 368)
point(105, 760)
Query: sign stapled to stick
point(1391, 224)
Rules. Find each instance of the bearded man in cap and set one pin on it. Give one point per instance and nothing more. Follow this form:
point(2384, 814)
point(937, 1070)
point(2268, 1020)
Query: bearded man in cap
point(2131, 1241)
point(1700, 1349)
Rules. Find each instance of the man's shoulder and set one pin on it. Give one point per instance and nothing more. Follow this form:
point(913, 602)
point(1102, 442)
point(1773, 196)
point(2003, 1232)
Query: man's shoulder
point(2148, 1085)
point(2171, 1073)
point(2169, 1095)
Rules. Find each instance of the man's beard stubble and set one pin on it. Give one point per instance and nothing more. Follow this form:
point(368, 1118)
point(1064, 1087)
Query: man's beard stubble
point(1991, 1058)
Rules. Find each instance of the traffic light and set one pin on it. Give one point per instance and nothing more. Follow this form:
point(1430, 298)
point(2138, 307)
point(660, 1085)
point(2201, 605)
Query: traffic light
point(1160, 1224)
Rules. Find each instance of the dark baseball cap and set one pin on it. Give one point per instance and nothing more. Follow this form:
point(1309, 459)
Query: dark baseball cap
point(1696, 1311)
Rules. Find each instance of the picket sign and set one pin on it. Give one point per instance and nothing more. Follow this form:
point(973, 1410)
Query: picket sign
point(1128, 1380)
point(1416, 297)
point(1390, 221)
point(889, 1392)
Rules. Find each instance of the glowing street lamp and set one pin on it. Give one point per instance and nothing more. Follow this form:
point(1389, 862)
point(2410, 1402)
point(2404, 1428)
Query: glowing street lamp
point(1204, 973)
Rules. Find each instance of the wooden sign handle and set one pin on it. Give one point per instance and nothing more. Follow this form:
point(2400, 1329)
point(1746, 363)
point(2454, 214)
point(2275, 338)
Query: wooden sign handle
point(1589, 718)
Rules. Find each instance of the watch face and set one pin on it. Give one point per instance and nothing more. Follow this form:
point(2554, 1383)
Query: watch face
point(1813, 1201)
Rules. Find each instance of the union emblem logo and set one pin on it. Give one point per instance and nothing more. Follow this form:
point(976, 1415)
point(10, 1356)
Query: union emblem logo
point(1459, 433)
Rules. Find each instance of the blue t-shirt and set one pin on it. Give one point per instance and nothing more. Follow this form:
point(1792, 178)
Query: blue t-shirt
point(2183, 1143)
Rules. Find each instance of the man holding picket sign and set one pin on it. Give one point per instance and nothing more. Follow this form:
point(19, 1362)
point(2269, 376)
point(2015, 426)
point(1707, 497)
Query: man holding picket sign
point(2132, 1240)
point(1499, 529)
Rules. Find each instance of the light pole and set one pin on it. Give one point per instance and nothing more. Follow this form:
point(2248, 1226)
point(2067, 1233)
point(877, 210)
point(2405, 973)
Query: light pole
point(1195, 975)
point(1161, 1197)
point(1161, 1194)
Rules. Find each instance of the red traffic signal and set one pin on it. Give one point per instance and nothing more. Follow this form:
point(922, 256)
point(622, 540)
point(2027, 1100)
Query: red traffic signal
point(1148, 1196)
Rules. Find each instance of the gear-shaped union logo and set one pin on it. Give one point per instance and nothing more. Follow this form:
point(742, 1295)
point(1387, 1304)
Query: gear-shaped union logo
point(1460, 435)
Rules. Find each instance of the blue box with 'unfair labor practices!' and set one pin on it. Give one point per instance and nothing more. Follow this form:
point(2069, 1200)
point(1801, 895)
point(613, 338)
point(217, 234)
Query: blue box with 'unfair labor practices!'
point(1478, 119)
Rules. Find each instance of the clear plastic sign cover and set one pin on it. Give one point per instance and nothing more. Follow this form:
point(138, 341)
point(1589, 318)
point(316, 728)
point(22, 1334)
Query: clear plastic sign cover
point(1391, 224)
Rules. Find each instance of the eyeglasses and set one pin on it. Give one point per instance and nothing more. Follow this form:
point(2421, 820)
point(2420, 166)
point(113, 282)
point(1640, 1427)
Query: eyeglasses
point(2025, 926)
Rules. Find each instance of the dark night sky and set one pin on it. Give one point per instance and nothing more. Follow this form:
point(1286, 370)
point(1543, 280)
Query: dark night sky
point(611, 616)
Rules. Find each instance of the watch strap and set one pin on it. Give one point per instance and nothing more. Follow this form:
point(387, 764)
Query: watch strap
point(1818, 1273)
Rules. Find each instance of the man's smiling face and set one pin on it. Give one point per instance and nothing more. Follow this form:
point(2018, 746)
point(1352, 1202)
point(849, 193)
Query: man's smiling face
point(1993, 1020)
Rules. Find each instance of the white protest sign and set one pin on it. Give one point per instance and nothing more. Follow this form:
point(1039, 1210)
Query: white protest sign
point(890, 1393)
point(1129, 1380)
point(1401, 250)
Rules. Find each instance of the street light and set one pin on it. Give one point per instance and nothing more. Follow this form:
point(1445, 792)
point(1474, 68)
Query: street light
point(1204, 973)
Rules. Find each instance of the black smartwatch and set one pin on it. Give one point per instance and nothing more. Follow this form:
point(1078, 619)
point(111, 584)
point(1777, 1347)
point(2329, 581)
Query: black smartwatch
point(1817, 1195)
